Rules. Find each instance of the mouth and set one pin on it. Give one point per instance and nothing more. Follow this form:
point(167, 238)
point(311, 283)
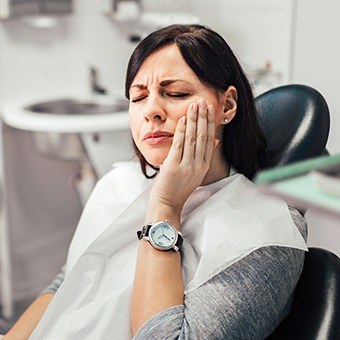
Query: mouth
point(157, 137)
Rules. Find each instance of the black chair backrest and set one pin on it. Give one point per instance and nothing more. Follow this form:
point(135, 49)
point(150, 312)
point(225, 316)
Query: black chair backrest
point(315, 312)
point(295, 121)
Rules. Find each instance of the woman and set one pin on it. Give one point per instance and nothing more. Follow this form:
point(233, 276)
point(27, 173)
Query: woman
point(210, 263)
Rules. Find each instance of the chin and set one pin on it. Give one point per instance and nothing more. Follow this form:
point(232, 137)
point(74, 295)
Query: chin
point(156, 158)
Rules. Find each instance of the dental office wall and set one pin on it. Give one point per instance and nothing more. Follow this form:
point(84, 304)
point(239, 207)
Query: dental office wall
point(316, 55)
point(45, 63)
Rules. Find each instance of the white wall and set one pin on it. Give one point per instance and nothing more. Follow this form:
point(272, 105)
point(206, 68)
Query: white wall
point(317, 63)
point(317, 55)
point(257, 30)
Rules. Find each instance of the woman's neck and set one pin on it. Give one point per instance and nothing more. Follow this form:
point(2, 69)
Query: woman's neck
point(218, 170)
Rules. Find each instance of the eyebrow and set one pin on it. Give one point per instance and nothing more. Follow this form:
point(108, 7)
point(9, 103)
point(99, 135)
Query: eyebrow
point(163, 83)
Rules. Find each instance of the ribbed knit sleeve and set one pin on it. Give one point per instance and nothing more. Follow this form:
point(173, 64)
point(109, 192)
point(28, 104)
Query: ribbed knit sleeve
point(55, 284)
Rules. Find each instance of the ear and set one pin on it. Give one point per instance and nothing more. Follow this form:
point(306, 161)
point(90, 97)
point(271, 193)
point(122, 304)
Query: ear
point(229, 100)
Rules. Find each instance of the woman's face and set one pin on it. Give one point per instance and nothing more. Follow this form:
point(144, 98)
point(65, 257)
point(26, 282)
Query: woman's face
point(160, 94)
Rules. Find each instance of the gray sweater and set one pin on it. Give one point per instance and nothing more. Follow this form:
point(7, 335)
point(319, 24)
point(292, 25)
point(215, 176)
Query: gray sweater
point(247, 300)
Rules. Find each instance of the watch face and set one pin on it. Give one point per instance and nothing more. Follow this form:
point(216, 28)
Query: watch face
point(163, 235)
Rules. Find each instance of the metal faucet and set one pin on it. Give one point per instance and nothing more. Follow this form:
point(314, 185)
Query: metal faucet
point(95, 87)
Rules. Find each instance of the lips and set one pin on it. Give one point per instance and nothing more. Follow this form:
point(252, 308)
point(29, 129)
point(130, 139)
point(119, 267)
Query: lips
point(157, 137)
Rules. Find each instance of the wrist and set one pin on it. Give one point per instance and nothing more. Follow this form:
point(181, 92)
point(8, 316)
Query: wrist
point(161, 211)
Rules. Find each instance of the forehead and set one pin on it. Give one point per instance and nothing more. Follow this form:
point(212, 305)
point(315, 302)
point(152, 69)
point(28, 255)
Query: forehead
point(165, 63)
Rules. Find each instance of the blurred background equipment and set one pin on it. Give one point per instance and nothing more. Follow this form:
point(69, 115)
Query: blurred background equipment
point(18, 8)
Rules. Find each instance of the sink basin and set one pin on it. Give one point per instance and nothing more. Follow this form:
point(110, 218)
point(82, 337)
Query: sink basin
point(68, 115)
point(57, 124)
point(78, 107)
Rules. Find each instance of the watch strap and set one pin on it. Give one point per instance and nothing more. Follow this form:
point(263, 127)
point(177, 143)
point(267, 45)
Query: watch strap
point(144, 231)
point(179, 241)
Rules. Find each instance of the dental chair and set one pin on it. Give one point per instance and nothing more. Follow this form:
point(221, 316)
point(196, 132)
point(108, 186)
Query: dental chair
point(315, 311)
point(295, 121)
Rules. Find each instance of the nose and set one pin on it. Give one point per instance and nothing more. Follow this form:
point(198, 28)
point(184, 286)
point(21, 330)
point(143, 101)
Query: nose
point(154, 109)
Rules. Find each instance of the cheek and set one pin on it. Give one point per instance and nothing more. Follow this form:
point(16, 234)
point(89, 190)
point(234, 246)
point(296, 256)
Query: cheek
point(178, 110)
point(134, 125)
point(134, 129)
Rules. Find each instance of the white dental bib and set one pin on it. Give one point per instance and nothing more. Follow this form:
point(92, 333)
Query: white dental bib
point(221, 223)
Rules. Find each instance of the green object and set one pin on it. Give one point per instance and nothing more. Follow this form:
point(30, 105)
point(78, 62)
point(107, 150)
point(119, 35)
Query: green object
point(294, 183)
point(295, 169)
point(305, 189)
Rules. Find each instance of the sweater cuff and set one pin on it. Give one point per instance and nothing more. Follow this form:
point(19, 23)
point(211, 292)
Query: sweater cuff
point(158, 326)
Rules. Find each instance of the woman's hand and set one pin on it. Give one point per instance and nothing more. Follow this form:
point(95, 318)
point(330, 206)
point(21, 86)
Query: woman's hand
point(188, 160)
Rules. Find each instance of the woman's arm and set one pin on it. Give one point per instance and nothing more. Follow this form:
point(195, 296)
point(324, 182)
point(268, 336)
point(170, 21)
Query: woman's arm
point(158, 280)
point(158, 277)
point(245, 301)
point(25, 325)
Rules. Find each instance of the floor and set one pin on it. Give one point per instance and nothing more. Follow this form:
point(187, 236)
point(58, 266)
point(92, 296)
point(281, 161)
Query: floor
point(20, 307)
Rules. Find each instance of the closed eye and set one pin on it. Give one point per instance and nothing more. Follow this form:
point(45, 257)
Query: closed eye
point(135, 100)
point(175, 95)
point(178, 94)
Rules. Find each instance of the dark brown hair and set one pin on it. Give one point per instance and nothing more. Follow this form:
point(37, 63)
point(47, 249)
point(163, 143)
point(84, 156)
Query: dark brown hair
point(214, 63)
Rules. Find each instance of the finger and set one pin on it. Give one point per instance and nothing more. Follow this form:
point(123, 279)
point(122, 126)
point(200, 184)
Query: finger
point(176, 149)
point(190, 133)
point(211, 144)
point(201, 130)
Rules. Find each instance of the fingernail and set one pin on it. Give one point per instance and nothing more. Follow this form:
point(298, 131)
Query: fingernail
point(202, 103)
point(194, 107)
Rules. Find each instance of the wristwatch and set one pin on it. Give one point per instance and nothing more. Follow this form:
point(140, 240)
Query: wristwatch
point(162, 235)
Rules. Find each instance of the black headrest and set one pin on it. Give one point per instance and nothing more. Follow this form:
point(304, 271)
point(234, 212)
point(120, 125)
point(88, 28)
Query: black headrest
point(295, 121)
